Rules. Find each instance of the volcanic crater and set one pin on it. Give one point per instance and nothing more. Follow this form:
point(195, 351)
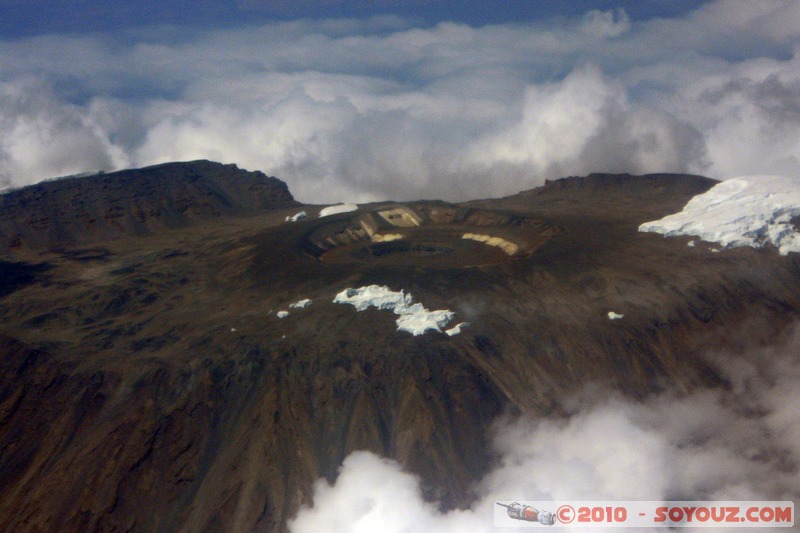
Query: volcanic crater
point(428, 234)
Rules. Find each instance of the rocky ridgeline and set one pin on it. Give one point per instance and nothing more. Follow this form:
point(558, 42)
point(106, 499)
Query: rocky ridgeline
point(86, 209)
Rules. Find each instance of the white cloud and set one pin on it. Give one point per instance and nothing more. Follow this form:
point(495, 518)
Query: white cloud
point(374, 494)
point(42, 137)
point(349, 110)
point(742, 444)
point(606, 23)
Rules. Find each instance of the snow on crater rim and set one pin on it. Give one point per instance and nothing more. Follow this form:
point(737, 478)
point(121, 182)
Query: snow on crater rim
point(298, 216)
point(336, 209)
point(414, 318)
point(746, 211)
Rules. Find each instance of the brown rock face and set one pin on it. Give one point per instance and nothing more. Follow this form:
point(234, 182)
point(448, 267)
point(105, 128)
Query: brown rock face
point(141, 201)
point(147, 384)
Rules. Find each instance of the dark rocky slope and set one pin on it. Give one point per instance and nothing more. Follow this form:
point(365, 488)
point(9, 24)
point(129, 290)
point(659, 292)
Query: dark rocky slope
point(139, 201)
point(146, 383)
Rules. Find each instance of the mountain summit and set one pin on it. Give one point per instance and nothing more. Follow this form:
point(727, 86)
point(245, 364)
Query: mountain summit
point(181, 350)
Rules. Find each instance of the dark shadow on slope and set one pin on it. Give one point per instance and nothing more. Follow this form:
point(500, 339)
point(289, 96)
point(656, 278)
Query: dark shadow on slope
point(15, 276)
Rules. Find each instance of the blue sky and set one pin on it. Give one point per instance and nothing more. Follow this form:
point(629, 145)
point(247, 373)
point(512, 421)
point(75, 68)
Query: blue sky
point(370, 100)
point(23, 18)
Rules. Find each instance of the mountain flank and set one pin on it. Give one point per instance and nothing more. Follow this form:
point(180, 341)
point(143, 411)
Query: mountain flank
point(156, 376)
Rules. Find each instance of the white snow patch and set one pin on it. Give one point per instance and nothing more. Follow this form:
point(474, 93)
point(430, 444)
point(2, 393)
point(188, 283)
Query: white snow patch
point(283, 314)
point(746, 211)
point(414, 318)
point(299, 216)
point(336, 209)
point(614, 316)
point(690, 244)
point(373, 296)
point(300, 304)
point(233, 330)
point(455, 330)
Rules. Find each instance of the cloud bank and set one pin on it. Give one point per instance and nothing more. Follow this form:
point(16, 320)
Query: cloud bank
point(739, 444)
point(357, 110)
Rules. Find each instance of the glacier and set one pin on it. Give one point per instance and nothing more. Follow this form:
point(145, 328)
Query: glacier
point(745, 211)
